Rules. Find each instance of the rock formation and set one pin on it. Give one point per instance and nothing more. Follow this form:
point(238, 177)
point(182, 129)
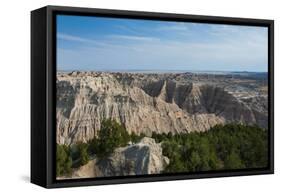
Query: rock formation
point(147, 103)
point(142, 158)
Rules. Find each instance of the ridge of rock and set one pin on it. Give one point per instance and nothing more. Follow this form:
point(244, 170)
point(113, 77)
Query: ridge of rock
point(146, 105)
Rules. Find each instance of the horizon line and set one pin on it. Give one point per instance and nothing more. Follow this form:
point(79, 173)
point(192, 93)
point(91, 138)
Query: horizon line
point(159, 70)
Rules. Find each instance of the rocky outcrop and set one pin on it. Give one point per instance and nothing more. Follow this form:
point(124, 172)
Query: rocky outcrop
point(142, 158)
point(145, 105)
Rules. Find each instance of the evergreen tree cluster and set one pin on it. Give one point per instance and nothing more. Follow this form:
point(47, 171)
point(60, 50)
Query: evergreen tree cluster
point(231, 146)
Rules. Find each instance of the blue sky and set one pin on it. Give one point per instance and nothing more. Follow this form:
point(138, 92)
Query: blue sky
point(98, 43)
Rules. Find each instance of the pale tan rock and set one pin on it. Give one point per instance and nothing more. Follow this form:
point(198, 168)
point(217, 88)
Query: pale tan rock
point(145, 104)
point(142, 158)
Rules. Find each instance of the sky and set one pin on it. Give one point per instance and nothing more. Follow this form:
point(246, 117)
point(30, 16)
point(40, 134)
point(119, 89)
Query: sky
point(112, 44)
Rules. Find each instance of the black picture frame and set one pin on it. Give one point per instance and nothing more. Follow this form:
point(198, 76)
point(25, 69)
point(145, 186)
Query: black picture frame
point(43, 95)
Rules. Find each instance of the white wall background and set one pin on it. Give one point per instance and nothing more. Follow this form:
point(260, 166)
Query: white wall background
point(15, 95)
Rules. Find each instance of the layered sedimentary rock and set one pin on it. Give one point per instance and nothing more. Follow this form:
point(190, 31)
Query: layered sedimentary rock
point(146, 104)
point(142, 158)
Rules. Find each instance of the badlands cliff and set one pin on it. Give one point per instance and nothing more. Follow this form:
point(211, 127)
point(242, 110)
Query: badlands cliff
point(147, 103)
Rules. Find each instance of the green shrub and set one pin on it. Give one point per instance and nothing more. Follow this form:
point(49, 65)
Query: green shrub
point(136, 138)
point(93, 146)
point(111, 135)
point(83, 153)
point(63, 160)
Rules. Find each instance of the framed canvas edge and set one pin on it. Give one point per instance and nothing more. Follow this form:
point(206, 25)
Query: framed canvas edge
point(51, 76)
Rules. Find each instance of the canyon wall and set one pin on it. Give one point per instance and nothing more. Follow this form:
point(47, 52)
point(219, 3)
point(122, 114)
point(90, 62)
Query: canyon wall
point(146, 104)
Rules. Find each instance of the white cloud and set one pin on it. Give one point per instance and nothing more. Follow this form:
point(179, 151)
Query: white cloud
point(133, 38)
point(71, 38)
point(68, 37)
